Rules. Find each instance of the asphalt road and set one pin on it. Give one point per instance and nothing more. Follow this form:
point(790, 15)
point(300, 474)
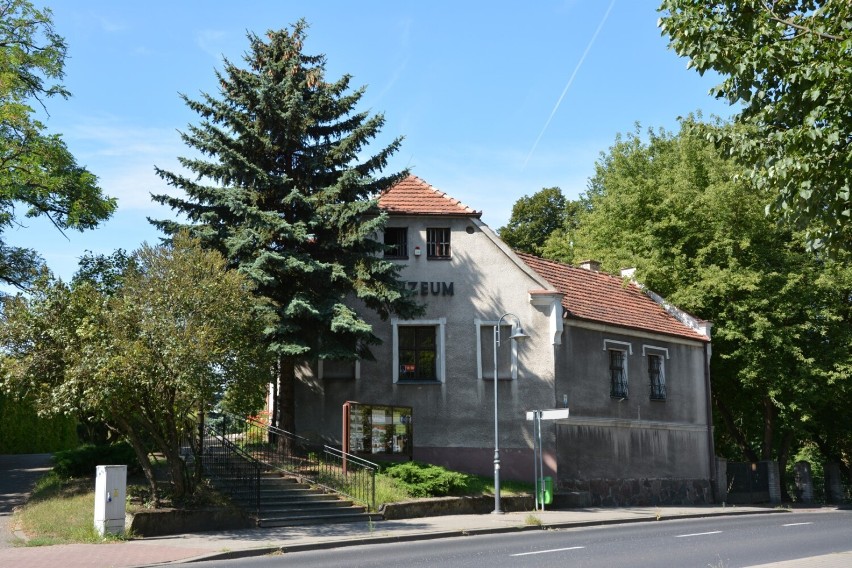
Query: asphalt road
point(18, 474)
point(720, 542)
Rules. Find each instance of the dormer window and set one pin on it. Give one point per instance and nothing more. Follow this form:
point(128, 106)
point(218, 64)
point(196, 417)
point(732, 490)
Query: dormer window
point(396, 242)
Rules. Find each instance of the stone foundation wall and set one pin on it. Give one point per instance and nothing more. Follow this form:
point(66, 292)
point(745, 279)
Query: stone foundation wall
point(641, 492)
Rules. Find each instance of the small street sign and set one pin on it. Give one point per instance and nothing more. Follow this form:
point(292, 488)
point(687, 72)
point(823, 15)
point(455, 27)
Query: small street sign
point(554, 414)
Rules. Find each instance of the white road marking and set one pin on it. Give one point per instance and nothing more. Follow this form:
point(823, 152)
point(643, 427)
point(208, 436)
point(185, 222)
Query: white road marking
point(796, 524)
point(546, 551)
point(697, 534)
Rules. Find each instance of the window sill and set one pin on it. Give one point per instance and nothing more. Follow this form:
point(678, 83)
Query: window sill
point(439, 258)
point(499, 379)
point(417, 382)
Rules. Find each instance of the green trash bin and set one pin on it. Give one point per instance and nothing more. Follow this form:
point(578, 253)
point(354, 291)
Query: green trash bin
point(546, 490)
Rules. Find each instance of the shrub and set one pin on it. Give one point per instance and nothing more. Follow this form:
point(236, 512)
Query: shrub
point(425, 480)
point(83, 461)
point(22, 431)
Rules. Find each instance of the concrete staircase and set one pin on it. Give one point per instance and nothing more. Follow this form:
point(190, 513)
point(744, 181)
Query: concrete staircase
point(285, 501)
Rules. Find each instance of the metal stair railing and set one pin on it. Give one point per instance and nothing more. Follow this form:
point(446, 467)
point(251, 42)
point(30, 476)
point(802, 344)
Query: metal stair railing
point(323, 466)
point(235, 470)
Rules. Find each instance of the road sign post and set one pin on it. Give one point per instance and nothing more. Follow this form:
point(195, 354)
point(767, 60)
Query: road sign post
point(538, 452)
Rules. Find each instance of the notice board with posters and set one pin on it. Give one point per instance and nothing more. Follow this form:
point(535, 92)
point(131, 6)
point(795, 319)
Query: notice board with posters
point(377, 429)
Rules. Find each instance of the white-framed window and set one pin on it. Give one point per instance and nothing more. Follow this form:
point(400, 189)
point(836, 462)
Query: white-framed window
point(615, 344)
point(507, 353)
point(338, 369)
point(418, 350)
point(656, 357)
point(657, 377)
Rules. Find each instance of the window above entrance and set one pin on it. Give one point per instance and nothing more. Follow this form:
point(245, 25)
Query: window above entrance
point(418, 351)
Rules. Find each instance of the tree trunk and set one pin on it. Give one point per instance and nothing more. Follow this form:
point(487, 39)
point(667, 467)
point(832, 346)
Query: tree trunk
point(142, 458)
point(286, 401)
point(728, 419)
point(783, 458)
point(179, 473)
point(769, 412)
point(287, 393)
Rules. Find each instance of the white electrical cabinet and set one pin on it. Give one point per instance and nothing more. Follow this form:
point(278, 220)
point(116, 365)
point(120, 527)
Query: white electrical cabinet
point(110, 498)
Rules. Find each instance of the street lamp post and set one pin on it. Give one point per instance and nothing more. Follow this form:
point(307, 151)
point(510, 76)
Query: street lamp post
point(517, 335)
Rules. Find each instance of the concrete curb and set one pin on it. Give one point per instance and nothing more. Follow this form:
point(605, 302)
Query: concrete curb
point(388, 539)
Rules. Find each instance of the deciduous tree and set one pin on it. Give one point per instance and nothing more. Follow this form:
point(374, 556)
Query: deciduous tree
point(789, 66)
point(145, 355)
point(40, 177)
point(672, 206)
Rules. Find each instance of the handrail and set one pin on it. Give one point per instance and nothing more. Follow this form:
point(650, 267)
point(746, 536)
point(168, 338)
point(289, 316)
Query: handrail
point(275, 429)
point(351, 457)
point(321, 465)
point(240, 477)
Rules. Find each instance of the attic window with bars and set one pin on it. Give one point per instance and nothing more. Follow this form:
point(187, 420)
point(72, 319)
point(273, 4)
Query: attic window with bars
point(396, 242)
point(438, 243)
point(617, 374)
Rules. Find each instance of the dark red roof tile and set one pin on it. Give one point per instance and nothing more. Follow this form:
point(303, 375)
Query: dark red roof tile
point(603, 298)
point(413, 196)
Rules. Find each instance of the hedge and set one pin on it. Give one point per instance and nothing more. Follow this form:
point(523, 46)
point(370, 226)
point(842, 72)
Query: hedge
point(22, 431)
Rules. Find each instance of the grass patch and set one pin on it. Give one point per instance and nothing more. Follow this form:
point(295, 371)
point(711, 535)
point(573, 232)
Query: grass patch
point(60, 511)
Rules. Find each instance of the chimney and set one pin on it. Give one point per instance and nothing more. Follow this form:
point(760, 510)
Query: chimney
point(628, 273)
point(590, 265)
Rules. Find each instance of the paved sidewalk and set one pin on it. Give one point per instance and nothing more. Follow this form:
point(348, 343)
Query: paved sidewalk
point(256, 542)
point(18, 474)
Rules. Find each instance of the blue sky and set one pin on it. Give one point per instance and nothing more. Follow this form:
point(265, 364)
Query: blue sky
point(495, 99)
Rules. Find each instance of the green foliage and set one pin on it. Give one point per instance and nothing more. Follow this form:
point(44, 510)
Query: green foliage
point(144, 356)
point(286, 191)
point(23, 431)
point(537, 217)
point(426, 480)
point(789, 66)
point(673, 206)
point(83, 460)
point(40, 176)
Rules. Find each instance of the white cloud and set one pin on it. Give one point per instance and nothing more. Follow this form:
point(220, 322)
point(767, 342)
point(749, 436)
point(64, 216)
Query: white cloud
point(111, 26)
point(213, 42)
point(123, 157)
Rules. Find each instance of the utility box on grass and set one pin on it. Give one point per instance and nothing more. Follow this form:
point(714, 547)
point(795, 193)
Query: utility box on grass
point(110, 498)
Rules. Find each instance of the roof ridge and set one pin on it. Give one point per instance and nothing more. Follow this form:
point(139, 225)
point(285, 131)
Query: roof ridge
point(414, 195)
point(443, 194)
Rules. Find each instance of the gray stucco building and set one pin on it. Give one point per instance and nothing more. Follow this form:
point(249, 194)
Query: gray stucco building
point(632, 369)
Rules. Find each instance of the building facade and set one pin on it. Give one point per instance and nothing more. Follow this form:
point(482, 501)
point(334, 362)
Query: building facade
point(632, 370)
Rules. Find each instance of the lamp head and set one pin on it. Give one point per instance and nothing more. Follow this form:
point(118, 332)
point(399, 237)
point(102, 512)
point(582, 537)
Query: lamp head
point(518, 334)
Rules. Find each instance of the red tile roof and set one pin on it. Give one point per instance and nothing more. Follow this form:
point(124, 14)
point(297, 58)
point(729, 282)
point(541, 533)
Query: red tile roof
point(603, 298)
point(413, 196)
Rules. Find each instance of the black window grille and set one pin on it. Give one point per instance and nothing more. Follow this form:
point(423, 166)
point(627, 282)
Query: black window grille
point(437, 243)
point(417, 353)
point(657, 377)
point(396, 242)
point(617, 374)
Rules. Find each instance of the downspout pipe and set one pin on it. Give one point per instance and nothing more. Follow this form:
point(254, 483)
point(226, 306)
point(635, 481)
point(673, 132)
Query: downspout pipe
point(710, 442)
